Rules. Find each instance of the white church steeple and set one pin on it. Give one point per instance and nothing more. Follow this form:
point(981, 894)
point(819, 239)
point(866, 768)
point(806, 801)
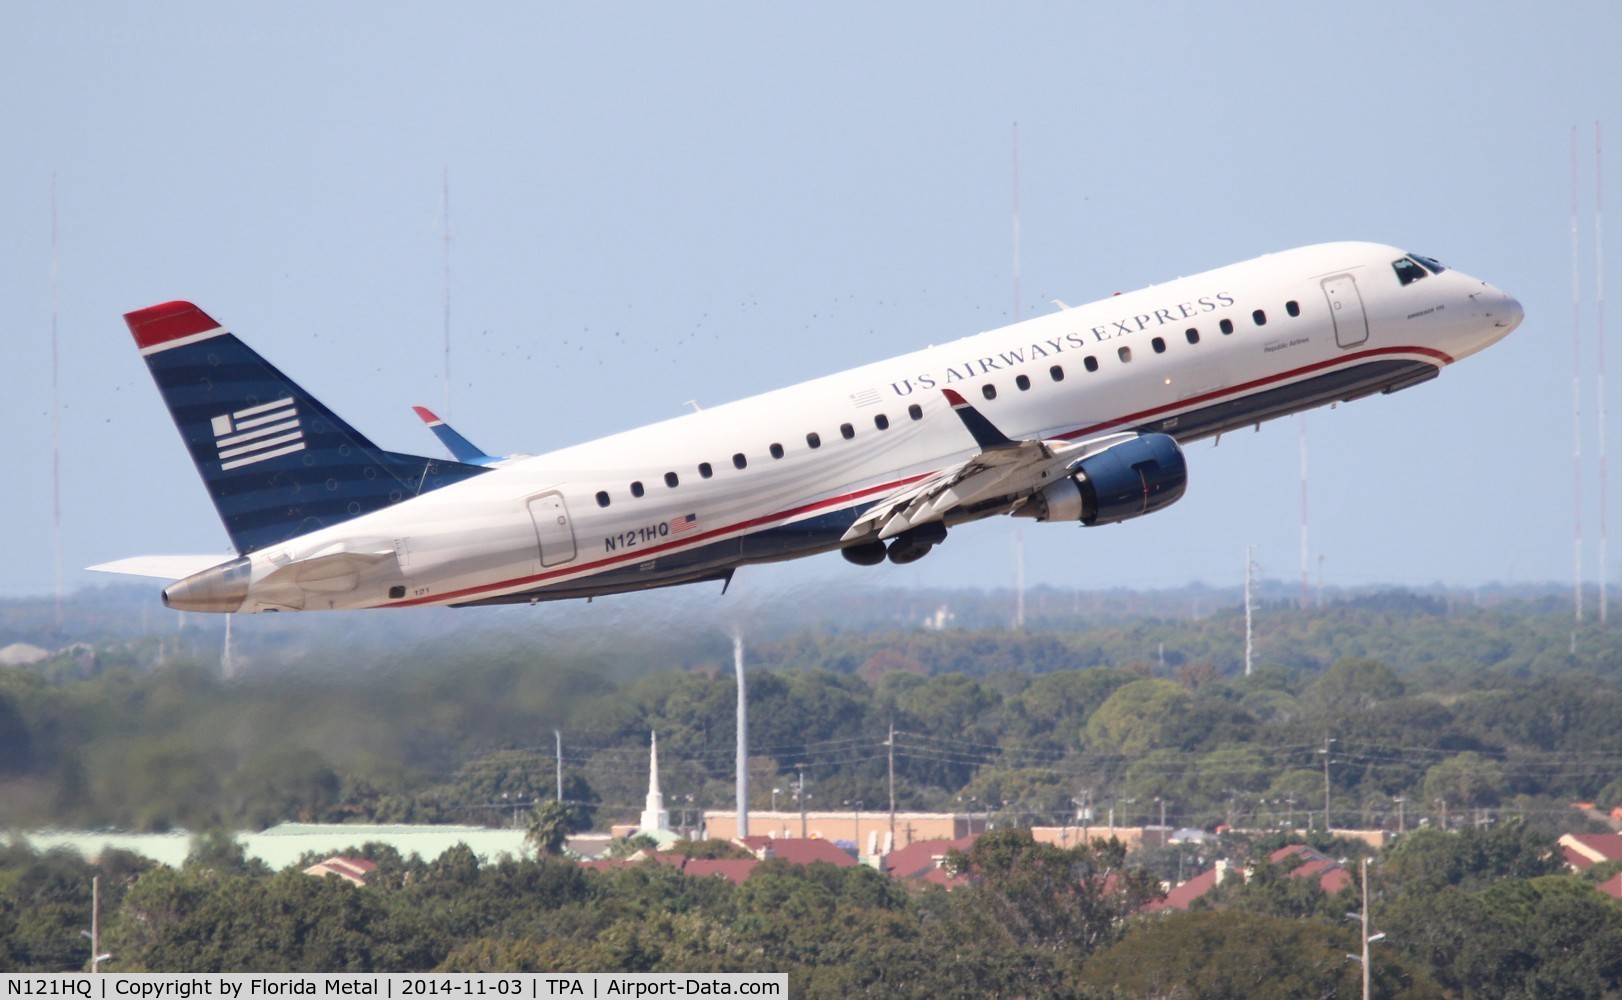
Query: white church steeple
point(654, 815)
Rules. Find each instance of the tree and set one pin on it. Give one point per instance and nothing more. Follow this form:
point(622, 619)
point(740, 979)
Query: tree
point(1352, 685)
point(550, 824)
point(1137, 718)
point(1464, 780)
point(1426, 860)
point(1053, 904)
point(1246, 956)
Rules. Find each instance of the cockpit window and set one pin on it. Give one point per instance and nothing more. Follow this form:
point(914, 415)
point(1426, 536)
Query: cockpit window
point(1430, 264)
point(1408, 271)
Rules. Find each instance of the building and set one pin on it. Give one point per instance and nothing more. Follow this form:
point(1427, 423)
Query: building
point(352, 870)
point(1583, 851)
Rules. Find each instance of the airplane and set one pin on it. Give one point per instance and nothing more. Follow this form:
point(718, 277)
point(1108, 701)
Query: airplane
point(1078, 416)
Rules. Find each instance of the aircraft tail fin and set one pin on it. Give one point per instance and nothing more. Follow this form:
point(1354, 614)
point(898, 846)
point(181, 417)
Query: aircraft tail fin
point(277, 463)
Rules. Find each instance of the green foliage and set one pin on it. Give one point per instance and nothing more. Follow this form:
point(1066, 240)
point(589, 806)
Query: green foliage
point(1138, 717)
point(550, 824)
point(1471, 859)
point(1247, 956)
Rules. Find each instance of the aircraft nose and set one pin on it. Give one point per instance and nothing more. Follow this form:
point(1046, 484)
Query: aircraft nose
point(1499, 306)
point(1508, 313)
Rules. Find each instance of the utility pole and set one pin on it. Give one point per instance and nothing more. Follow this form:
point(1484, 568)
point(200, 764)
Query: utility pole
point(890, 745)
point(799, 793)
point(558, 736)
point(1365, 929)
point(1325, 752)
point(95, 923)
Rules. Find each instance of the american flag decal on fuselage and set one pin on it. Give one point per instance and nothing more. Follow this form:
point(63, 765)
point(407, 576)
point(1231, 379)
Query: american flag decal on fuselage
point(258, 433)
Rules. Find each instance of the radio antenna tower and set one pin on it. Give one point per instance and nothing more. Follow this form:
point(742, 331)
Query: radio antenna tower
point(1576, 406)
point(743, 736)
point(1306, 589)
point(1599, 338)
point(445, 181)
point(1250, 567)
point(1019, 533)
point(56, 420)
point(1016, 222)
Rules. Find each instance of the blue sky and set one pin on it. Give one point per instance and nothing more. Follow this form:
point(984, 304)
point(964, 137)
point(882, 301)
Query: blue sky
point(656, 203)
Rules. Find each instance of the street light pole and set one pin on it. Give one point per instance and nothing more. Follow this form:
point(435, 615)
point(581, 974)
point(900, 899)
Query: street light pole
point(1365, 929)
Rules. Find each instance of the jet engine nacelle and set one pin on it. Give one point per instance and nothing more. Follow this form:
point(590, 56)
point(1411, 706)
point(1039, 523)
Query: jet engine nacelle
point(1130, 480)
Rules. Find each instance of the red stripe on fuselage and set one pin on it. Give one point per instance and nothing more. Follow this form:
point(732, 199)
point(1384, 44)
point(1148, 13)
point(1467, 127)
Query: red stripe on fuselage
point(834, 503)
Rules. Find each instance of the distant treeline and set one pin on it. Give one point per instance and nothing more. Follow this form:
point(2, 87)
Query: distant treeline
point(1478, 913)
point(1459, 708)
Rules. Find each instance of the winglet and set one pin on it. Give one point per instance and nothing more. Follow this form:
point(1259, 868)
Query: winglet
point(985, 433)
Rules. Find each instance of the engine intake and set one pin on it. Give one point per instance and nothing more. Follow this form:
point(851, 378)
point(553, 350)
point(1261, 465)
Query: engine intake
point(1130, 480)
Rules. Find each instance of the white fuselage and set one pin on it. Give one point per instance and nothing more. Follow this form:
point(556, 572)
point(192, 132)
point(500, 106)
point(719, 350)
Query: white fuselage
point(637, 509)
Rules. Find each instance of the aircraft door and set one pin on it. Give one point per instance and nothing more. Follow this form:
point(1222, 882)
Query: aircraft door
point(553, 533)
point(1346, 308)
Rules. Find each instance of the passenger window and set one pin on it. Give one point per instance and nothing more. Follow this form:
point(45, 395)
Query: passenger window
point(847, 431)
point(1192, 335)
point(776, 450)
point(704, 470)
point(1226, 326)
point(1259, 317)
point(636, 488)
point(1159, 345)
point(813, 440)
point(1023, 381)
point(1057, 373)
point(1293, 308)
point(1125, 354)
point(1090, 363)
point(671, 480)
point(989, 391)
point(881, 421)
point(1408, 271)
point(915, 411)
point(738, 461)
point(602, 498)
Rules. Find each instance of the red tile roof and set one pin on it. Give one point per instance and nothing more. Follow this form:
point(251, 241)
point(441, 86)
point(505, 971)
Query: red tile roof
point(803, 851)
point(1612, 887)
point(1183, 896)
point(1584, 850)
point(734, 870)
point(349, 869)
point(922, 856)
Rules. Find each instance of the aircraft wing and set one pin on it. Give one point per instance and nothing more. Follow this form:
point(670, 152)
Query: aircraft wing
point(1002, 471)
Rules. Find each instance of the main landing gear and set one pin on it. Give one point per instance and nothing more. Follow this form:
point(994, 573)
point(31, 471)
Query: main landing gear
point(909, 546)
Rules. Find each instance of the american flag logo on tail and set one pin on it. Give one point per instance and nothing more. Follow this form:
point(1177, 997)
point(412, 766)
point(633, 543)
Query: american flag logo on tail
point(687, 522)
point(258, 433)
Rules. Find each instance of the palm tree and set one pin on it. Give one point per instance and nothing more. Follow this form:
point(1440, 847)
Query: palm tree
point(550, 824)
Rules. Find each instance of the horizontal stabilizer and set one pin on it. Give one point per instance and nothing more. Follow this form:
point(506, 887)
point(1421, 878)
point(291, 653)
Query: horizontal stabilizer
point(460, 447)
point(160, 567)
